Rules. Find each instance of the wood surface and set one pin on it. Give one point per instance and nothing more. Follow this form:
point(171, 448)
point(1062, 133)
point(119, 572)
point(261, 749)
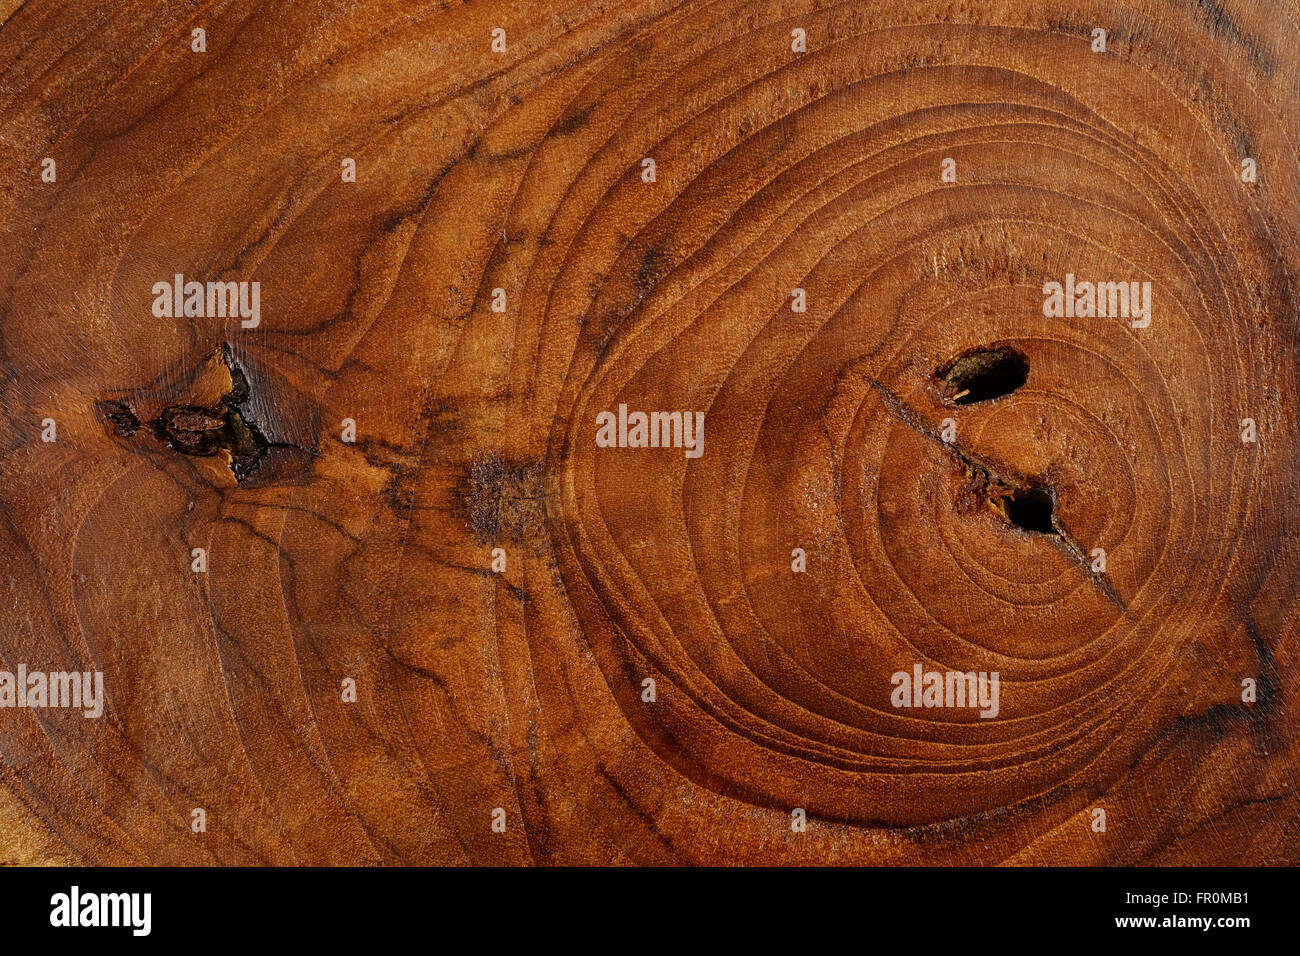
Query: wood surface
point(523, 690)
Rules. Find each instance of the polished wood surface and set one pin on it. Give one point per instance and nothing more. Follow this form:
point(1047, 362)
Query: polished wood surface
point(916, 469)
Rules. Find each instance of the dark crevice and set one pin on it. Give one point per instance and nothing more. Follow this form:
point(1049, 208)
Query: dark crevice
point(120, 417)
point(1029, 509)
point(200, 431)
point(983, 374)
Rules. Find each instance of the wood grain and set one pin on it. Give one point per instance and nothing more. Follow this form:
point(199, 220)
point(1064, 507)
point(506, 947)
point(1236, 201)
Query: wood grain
point(523, 690)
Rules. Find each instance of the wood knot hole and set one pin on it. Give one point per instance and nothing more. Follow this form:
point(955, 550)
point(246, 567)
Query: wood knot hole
point(983, 374)
point(1029, 509)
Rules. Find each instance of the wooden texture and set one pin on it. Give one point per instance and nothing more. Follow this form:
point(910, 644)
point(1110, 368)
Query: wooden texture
point(523, 690)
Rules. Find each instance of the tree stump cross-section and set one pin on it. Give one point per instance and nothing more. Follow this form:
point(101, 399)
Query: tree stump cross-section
point(655, 432)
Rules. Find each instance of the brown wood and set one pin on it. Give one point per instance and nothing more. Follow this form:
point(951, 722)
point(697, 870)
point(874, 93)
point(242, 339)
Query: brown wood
point(970, 549)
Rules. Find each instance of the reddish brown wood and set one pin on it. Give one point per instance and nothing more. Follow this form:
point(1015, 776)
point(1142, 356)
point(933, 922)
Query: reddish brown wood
point(475, 430)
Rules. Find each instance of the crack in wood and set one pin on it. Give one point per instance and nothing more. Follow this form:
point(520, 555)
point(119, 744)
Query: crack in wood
point(999, 484)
